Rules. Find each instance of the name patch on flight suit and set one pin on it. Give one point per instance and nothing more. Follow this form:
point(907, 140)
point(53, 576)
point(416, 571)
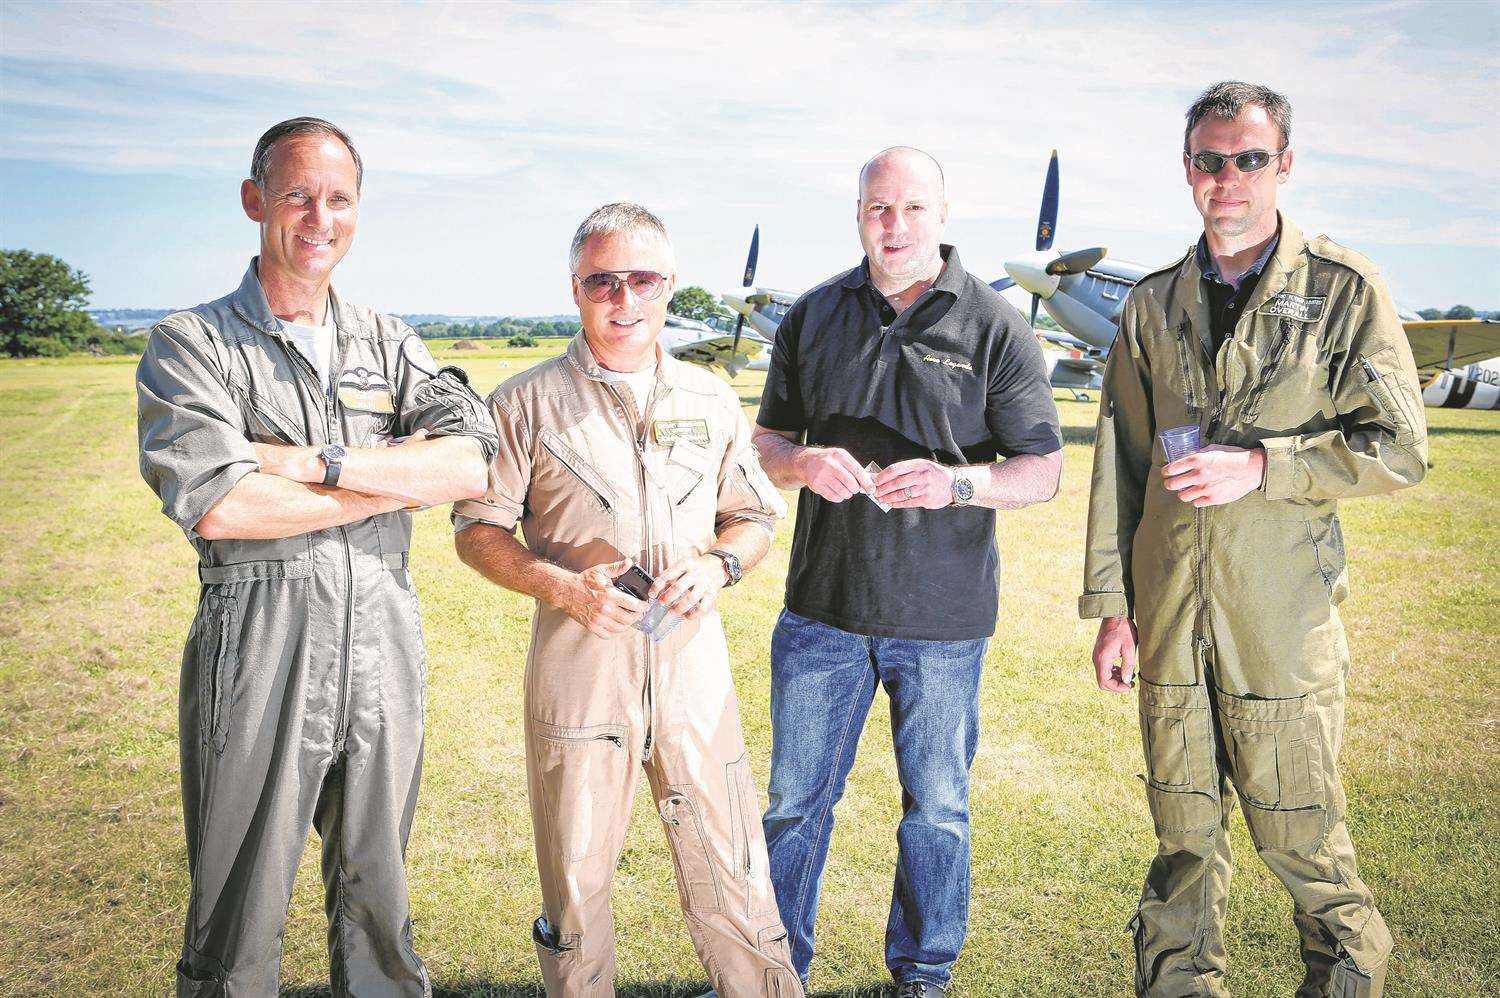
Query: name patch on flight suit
point(669, 431)
point(366, 391)
point(1289, 306)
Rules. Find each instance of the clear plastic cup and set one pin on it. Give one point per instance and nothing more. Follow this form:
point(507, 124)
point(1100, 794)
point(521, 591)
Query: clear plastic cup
point(1180, 441)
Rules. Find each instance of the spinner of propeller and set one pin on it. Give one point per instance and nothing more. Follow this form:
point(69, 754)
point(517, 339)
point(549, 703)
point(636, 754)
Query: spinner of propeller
point(1042, 271)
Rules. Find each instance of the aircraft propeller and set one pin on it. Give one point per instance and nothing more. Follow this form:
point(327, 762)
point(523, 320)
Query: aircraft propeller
point(1040, 272)
point(750, 263)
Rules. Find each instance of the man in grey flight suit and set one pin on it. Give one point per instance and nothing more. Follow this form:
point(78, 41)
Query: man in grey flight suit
point(1223, 570)
point(264, 419)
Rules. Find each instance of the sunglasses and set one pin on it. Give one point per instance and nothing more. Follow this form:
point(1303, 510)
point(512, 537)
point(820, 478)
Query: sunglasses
point(604, 285)
point(1249, 161)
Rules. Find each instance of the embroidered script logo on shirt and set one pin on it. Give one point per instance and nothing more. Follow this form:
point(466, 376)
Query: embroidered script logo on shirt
point(949, 362)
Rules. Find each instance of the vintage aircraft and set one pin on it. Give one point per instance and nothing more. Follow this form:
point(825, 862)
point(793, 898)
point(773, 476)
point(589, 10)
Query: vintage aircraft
point(1083, 291)
point(715, 343)
point(1458, 359)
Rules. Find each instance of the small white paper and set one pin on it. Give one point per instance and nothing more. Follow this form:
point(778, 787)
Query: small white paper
point(874, 469)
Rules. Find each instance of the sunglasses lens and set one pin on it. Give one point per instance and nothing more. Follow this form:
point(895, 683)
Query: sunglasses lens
point(1255, 159)
point(645, 284)
point(1208, 162)
point(599, 287)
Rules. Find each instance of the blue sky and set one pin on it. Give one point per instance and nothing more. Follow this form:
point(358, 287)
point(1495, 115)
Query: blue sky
point(488, 131)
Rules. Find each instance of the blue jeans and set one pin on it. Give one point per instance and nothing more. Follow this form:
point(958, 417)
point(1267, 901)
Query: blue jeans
point(822, 683)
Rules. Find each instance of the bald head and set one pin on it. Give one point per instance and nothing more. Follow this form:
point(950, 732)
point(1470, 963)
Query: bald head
point(907, 163)
point(902, 211)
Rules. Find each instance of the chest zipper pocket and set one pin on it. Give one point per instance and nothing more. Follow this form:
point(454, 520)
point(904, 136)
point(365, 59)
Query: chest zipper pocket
point(1268, 372)
point(1189, 382)
point(580, 470)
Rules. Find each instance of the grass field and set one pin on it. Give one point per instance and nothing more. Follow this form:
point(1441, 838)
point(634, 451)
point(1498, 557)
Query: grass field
point(98, 588)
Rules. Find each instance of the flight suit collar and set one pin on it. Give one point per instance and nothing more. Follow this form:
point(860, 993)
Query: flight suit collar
point(581, 356)
point(249, 302)
point(1286, 260)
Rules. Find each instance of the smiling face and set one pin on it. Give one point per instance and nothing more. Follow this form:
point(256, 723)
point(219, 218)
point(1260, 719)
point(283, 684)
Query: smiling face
point(307, 211)
point(622, 331)
point(902, 212)
point(1235, 204)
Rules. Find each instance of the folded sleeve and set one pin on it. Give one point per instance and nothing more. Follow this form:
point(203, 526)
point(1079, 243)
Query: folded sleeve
point(193, 441)
point(510, 463)
point(438, 399)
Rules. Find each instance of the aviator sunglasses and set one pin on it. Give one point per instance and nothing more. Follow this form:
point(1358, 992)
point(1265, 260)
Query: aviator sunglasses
point(1249, 161)
point(602, 286)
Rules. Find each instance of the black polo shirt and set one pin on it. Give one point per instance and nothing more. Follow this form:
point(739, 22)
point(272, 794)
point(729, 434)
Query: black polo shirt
point(1226, 302)
point(957, 378)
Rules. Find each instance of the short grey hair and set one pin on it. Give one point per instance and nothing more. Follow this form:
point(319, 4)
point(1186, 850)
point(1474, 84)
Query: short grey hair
point(611, 219)
point(1229, 97)
point(260, 160)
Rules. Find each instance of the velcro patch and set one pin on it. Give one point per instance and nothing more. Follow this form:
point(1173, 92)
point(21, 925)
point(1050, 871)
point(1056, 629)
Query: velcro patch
point(669, 431)
point(366, 390)
point(1289, 306)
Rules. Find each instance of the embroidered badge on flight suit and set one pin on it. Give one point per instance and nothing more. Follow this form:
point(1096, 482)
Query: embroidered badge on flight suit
point(366, 391)
point(1289, 306)
point(669, 431)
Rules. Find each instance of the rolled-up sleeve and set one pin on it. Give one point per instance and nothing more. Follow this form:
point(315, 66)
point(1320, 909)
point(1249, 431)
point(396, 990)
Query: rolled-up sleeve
point(193, 445)
point(746, 494)
point(439, 399)
point(509, 469)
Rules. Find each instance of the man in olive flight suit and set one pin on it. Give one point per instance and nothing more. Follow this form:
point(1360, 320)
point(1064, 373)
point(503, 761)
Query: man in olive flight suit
point(262, 419)
point(1221, 573)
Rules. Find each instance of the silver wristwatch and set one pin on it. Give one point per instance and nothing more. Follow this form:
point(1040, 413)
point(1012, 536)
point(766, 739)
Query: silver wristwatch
point(963, 489)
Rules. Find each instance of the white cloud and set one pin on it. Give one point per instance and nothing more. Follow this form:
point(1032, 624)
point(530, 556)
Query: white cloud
point(725, 114)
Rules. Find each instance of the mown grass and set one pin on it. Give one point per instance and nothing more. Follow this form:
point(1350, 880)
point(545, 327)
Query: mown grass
point(97, 589)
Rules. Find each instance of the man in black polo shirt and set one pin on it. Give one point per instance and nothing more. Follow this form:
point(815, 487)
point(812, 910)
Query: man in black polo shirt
point(911, 364)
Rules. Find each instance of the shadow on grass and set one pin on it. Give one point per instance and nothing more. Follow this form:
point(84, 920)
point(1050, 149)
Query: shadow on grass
point(533, 989)
point(1079, 435)
point(1461, 431)
point(750, 399)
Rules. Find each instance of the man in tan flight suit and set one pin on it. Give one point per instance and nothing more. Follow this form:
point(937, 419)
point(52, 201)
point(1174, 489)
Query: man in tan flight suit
point(1222, 572)
point(617, 453)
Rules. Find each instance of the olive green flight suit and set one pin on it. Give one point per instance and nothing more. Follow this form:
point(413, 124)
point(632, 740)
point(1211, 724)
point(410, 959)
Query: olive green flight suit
point(1242, 655)
point(303, 680)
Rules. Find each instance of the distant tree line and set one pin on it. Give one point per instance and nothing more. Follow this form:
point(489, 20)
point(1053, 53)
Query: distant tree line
point(1456, 312)
point(500, 329)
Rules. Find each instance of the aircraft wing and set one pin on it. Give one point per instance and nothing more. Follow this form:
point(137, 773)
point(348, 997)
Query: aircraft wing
point(718, 351)
point(1443, 343)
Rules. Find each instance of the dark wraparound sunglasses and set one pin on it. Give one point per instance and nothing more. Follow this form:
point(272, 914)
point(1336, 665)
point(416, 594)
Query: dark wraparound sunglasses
point(602, 286)
point(1249, 161)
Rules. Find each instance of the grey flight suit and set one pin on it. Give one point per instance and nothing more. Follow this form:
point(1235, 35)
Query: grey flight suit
point(1243, 658)
point(302, 694)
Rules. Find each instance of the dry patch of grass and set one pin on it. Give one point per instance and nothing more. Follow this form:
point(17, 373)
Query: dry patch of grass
point(97, 591)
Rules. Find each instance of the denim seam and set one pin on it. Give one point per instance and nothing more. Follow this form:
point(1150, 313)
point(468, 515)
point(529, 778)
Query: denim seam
point(802, 886)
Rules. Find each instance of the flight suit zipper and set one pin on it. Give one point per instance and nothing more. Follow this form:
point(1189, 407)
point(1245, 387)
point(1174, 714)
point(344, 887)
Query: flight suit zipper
point(1268, 372)
point(330, 413)
point(638, 437)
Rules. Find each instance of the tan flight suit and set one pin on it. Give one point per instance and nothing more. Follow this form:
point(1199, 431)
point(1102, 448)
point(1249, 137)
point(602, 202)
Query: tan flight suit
point(1242, 653)
point(592, 481)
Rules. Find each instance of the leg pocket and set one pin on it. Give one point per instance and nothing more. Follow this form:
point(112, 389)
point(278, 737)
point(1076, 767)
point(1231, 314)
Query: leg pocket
point(1276, 762)
point(751, 862)
point(581, 771)
point(218, 659)
point(781, 979)
point(696, 883)
point(1181, 783)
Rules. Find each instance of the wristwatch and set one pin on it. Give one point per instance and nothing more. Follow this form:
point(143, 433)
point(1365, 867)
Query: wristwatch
point(963, 489)
point(333, 463)
point(731, 566)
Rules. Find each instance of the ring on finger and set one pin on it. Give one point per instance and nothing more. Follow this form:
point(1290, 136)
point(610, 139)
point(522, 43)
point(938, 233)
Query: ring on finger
point(908, 493)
